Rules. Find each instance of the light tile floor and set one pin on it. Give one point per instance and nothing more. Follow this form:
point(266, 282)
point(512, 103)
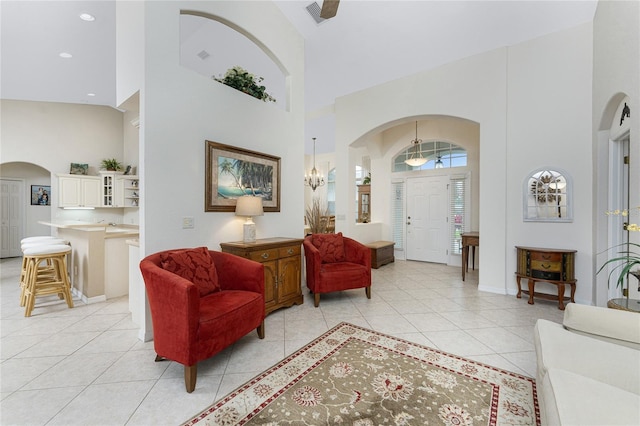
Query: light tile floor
point(85, 366)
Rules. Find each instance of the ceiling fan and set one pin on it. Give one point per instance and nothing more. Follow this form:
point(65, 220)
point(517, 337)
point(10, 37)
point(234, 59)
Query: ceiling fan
point(329, 8)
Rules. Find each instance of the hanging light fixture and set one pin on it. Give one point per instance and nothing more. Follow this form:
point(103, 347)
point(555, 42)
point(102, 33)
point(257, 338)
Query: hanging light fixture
point(439, 164)
point(416, 159)
point(314, 179)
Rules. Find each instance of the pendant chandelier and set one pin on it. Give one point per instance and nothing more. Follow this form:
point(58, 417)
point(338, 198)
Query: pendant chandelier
point(314, 179)
point(416, 159)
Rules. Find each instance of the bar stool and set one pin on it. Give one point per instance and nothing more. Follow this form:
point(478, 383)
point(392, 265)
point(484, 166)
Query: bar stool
point(31, 242)
point(56, 282)
point(37, 239)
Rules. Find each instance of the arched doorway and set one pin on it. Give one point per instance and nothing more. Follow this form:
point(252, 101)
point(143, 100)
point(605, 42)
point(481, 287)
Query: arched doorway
point(20, 214)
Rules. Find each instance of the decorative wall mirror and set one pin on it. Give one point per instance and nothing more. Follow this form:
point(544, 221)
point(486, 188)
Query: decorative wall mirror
point(547, 196)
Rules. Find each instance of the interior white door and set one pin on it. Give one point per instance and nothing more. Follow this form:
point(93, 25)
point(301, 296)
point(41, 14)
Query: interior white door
point(427, 201)
point(11, 214)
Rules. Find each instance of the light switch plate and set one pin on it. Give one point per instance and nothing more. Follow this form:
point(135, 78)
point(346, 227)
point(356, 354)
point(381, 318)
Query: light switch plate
point(187, 222)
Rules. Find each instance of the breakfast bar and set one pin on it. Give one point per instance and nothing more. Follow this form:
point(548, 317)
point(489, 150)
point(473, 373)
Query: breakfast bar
point(99, 257)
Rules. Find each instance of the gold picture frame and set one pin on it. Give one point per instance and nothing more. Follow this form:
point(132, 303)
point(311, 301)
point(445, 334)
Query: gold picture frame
point(231, 172)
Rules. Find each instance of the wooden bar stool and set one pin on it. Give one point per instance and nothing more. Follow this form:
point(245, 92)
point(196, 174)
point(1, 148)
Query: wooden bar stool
point(37, 284)
point(31, 242)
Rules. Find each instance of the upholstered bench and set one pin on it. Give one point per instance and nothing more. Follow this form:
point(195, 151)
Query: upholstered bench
point(381, 253)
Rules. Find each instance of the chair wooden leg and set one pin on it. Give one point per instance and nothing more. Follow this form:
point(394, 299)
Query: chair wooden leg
point(316, 299)
point(190, 372)
point(260, 330)
point(367, 291)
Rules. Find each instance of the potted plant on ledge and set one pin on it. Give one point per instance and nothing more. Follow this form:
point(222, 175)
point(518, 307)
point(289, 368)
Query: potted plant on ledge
point(626, 262)
point(242, 80)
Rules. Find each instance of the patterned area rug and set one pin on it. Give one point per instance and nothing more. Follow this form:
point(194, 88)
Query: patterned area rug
point(355, 376)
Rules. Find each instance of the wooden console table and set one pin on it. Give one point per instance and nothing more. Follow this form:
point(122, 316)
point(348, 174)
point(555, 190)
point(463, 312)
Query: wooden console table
point(469, 239)
point(282, 262)
point(554, 266)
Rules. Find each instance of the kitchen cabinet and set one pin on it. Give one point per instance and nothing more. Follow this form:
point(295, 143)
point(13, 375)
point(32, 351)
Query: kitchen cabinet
point(78, 191)
point(112, 191)
point(282, 261)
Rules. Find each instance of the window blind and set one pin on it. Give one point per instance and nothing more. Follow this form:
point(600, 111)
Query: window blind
point(458, 212)
point(398, 213)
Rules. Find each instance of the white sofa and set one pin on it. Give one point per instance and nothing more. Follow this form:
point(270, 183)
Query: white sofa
point(588, 369)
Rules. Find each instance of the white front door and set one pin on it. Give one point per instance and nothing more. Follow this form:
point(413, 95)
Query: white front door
point(427, 219)
point(11, 213)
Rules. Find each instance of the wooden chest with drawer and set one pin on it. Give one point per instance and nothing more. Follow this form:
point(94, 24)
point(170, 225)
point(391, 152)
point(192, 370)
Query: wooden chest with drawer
point(282, 261)
point(555, 266)
point(381, 253)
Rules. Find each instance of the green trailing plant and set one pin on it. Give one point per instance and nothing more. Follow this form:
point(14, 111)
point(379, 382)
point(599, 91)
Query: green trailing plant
point(316, 216)
point(111, 164)
point(623, 264)
point(626, 259)
point(242, 80)
point(367, 179)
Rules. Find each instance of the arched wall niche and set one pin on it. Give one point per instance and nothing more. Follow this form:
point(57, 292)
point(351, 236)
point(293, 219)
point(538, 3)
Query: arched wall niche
point(210, 45)
point(609, 112)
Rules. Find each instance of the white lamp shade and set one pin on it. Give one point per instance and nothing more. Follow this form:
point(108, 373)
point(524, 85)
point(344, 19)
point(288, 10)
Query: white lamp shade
point(249, 206)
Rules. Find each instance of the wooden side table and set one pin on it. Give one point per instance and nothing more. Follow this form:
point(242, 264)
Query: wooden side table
point(469, 239)
point(282, 262)
point(554, 266)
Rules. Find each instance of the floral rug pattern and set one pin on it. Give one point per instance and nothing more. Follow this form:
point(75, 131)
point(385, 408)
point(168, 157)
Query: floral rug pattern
point(355, 376)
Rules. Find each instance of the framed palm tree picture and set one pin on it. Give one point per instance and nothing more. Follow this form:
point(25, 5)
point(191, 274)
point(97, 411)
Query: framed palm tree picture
point(232, 172)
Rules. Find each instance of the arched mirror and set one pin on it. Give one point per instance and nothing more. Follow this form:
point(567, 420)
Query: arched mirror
point(547, 196)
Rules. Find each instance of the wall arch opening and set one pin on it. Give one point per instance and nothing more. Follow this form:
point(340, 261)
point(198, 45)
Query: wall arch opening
point(210, 46)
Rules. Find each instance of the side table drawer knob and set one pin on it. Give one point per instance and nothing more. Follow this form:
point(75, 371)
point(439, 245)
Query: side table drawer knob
point(265, 255)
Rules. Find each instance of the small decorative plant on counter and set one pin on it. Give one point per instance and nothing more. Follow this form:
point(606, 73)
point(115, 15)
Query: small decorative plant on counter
point(242, 80)
point(111, 164)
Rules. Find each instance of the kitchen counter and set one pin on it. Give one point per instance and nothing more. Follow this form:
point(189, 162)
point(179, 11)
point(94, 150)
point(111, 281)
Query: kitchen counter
point(99, 261)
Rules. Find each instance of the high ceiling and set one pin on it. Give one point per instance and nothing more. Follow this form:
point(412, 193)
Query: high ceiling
point(367, 43)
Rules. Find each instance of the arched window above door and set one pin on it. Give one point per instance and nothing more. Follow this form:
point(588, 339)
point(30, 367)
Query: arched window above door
point(439, 155)
point(547, 196)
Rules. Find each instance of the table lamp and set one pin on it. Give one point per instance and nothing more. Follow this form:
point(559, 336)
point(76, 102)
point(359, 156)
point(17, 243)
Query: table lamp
point(249, 206)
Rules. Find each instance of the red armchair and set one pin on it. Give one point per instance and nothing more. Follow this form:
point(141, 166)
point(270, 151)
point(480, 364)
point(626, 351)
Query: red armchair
point(336, 263)
point(201, 302)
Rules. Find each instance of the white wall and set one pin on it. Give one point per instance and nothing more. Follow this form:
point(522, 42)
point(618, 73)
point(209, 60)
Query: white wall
point(53, 135)
point(549, 114)
point(474, 89)
point(181, 109)
point(616, 73)
point(533, 104)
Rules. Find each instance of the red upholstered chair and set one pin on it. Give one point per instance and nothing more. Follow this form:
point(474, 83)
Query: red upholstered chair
point(201, 302)
point(336, 263)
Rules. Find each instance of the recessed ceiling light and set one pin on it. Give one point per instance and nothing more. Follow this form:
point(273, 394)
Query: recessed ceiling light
point(66, 55)
point(91, 94)
point(87, 17)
